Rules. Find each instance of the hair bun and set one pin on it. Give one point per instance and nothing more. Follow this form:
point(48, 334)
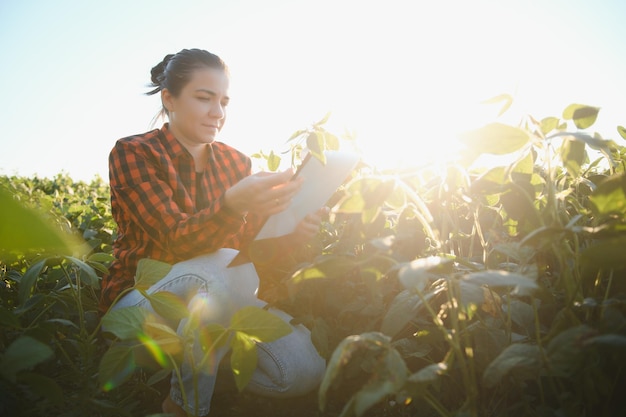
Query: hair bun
point(158, 70)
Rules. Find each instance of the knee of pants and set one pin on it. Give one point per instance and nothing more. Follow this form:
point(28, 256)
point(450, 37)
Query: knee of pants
point(290, 366)
point(207, 264)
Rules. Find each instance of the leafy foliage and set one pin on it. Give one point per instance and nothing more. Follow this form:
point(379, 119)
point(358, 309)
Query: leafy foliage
point(453, 290)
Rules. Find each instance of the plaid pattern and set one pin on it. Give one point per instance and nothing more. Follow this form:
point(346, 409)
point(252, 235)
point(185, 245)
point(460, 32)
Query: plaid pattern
point(166, 211)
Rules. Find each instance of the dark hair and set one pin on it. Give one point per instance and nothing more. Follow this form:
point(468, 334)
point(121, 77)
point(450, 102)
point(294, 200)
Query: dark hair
point(175, 70)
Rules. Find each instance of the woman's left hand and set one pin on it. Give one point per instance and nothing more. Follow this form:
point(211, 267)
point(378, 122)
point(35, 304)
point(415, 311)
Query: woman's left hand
point(310, 225)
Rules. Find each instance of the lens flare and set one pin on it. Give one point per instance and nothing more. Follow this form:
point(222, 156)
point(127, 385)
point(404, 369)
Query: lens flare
point(155, 350)
point(120, 376)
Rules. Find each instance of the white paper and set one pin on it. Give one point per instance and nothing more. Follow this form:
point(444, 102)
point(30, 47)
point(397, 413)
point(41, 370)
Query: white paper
point(319, 184)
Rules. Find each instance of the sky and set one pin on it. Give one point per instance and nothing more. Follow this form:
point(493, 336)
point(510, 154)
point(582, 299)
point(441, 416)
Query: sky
point(403, 77)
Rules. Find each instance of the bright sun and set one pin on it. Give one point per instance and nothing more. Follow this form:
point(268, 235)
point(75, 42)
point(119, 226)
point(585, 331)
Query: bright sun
point(420, 128)
point(408, 88)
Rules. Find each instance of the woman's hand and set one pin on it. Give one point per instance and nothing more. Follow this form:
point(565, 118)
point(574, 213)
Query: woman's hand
point(309, 226)
point(264, 193)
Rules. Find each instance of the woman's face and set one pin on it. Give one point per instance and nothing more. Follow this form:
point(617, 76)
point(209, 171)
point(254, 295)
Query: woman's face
point(198, 113)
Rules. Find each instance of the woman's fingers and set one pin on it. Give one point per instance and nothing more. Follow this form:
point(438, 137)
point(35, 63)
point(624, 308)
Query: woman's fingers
point(310, 225)
point(263, 193)
point(276, 205)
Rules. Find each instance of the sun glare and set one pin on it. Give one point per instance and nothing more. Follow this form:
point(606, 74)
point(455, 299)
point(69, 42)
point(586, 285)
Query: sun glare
point(405, 89)
point(407, 103)
point(418, 131)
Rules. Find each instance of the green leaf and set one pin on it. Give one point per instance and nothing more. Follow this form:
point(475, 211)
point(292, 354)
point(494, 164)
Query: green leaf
point(99, 267)
point(161, 343)
point(609, 197)
point(613, 340)
point(470, 294)
point(573, 155)
point(491, 182)
point(243, 359)
point(345, 351)
point(259, 324)
point(565, 350)
point(323, 120)
point(159, 376)
point(496, 139)
point(125, 323)
point(518, 202)
point(315, 143)
point(167, 304)
point(116, 365)
point(98, 260)
point(548, 124)
point(596, 143)
point(515, 251)
point(330, 266)
point(296, 134)
point(496, 279)
point(428, 374)
point(88, 272)
point(23, 229)
point(607, 253)
point(622, 131)
point(488, 342)
point(367, 196)
point(149, 272)
point(413, 347)
point(331, 141)
point(542, 236)
point(23, 354)
point(521, 314)
point(161, 340)
point(352, 203)
point(8, 320)
point(320, 336)
point(582, 115)
point(505, 99)
point(100, 257)
point(273, 161)
point(522, 360)
point(388, 378)
point(42, 386)
point(212, 335)
point(563, 320)
point(378, 262)
point(28, 281)
point(63, 322)
point(524, 166)
point(402, 310)
point(418, 273)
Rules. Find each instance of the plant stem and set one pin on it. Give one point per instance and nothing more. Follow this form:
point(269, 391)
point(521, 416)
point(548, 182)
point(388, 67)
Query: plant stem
point(180, 383)
point(436, 405)
point(606, 294)
point(77, 299)
point(467, 369)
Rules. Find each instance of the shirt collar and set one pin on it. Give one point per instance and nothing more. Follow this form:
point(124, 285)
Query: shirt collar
point(172, 145)
point(176, 150)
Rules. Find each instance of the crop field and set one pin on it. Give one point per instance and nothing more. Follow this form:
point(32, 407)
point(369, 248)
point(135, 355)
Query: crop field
point(435, 291)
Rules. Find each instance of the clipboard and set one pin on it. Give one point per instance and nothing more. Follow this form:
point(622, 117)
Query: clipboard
point(319, 183)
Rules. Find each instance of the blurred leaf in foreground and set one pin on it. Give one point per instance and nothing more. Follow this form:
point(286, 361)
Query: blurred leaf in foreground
point(23, 229)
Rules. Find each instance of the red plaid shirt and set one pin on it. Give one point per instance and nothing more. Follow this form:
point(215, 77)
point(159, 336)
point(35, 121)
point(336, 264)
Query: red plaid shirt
point(166, 211)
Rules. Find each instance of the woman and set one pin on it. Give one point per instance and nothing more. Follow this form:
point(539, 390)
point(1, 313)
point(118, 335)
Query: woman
point(180, 196)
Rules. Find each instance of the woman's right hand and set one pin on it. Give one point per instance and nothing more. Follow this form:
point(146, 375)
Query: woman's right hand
point(264, 193)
